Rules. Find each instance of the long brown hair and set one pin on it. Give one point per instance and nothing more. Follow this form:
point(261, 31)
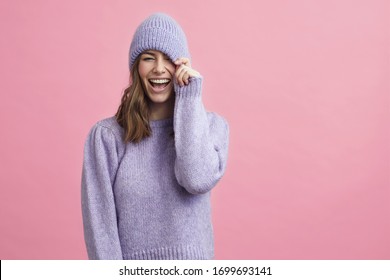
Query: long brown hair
point(133, 112)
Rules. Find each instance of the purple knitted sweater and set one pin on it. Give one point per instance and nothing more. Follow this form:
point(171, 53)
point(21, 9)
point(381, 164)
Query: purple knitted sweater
point(151, 200)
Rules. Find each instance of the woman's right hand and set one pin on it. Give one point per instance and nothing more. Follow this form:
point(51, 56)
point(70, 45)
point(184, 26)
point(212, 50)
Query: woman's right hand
point(184, 71)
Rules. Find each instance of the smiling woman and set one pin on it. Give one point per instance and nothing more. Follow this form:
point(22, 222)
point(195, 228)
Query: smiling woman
point(156, 71)
point(146, 191)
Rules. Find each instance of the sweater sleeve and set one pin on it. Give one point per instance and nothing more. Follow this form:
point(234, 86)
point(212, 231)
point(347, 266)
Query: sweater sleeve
point(201, 140)
point(97, 198)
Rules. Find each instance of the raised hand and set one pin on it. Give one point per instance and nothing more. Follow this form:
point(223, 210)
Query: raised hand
point(184, 71)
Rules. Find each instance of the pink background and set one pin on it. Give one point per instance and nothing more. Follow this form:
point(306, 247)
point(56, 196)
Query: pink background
point(303, 84)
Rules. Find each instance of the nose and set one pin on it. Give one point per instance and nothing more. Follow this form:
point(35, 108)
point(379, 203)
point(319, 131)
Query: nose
point(160, 66)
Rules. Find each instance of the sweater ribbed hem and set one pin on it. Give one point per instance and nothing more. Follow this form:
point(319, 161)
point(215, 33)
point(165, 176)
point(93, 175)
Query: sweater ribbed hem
point(168, 253)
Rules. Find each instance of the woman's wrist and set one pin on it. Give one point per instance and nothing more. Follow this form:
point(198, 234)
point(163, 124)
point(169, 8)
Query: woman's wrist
point(192, 89)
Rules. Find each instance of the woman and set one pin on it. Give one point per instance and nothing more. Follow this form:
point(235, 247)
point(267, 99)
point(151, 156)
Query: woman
point(148, 170)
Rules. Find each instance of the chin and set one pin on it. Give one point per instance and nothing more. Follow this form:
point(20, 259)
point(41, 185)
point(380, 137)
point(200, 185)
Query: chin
point(160, 97)
point(159, 100)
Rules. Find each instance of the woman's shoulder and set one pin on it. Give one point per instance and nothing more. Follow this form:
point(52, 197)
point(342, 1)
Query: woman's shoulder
point(109, 122)
point(111, 125)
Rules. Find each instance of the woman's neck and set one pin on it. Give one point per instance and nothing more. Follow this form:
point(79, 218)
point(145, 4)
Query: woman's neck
point(160, 111)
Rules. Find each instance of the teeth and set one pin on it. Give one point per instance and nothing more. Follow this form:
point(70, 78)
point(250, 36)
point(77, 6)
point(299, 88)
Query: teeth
point(159, 81)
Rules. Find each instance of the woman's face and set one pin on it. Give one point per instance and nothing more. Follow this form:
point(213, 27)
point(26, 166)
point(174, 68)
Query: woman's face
point(156, 71)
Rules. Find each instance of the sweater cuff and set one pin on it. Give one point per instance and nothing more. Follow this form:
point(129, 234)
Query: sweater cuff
point(193, 89)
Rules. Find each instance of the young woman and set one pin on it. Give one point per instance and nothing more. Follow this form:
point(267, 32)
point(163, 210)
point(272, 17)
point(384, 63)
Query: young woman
point(148, 170)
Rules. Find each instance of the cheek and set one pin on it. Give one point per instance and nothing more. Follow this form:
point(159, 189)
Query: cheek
point(171, 69)
point(142, 70)
point(170, 66)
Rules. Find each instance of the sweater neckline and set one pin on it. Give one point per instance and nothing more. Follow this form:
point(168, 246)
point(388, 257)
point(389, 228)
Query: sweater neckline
point(161, 123)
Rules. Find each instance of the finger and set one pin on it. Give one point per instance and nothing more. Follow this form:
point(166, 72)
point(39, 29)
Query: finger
point(193, 73)
point(186, 62)
point(186, 78)
point(183, 60)
point(184, 75)
point(179, 74)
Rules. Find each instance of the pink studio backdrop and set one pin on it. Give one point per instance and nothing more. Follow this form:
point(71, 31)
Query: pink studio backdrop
point(303, 84)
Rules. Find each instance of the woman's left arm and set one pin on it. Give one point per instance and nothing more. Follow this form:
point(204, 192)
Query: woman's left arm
point(201, 140)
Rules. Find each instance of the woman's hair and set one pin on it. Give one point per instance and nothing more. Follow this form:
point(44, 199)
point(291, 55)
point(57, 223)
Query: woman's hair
point(133, 112)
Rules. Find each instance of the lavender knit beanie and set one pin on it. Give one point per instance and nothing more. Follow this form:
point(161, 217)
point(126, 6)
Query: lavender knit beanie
point(162, 33)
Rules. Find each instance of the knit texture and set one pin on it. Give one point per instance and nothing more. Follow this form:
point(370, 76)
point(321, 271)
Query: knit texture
point(162, 33)
point(151, 200)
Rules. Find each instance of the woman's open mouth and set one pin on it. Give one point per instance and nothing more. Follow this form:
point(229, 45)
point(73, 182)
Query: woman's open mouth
point(159, 84)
